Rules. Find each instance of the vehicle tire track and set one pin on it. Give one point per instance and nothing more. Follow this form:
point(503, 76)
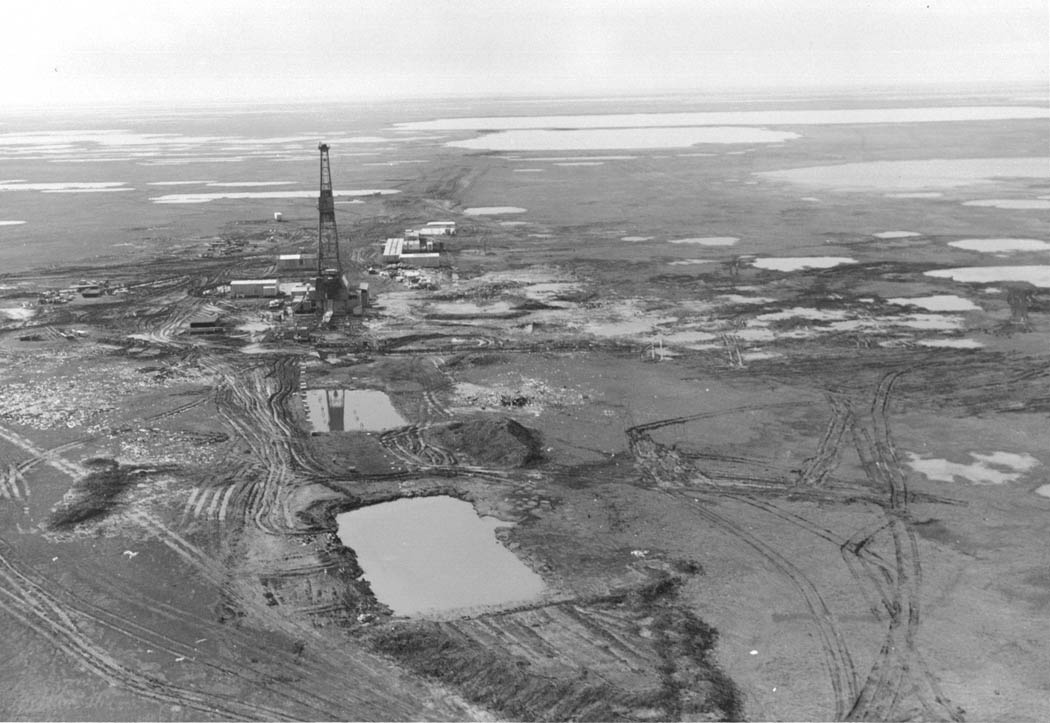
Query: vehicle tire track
point(38, 609)
point(377, 699)
point(816, 469)
point(838, 661)
point(410, 445)
point(39, 456)
point(899, 685)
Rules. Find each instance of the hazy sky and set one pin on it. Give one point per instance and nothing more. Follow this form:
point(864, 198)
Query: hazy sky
point(114, 51)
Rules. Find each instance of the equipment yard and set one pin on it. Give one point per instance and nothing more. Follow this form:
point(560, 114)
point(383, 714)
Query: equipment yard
point(766, 454)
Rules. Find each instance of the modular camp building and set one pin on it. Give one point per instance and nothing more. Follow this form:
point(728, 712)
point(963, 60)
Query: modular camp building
point(413, 251)
point(424, 237)
point(423, 260)
point(253, 288)
point(429, 230)
point(444, 228)
point(392, 250)
point(295, 289)
point(297, 262)
point(415, 243)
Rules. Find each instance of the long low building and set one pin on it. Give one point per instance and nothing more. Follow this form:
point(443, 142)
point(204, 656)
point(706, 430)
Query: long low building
point(253, 288)
point(295, 289)
point(423, 260)
point(297, 262)
point(434, 231)
point(416, 241)
point(445, 228)
point(413, 251)
point(392, 250)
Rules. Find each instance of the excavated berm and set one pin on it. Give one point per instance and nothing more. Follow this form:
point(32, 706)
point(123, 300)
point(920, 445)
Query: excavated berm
point(489, 442)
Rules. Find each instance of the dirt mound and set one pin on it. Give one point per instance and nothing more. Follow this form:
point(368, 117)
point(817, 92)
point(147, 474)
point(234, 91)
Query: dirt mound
point(639, 657)
point(98, 494)
point(493, 442)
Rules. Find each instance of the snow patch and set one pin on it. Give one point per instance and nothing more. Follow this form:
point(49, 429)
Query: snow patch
point(989, 469)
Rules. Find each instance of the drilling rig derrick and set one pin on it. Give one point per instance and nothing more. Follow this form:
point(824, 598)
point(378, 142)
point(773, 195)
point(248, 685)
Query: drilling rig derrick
point(331, 289)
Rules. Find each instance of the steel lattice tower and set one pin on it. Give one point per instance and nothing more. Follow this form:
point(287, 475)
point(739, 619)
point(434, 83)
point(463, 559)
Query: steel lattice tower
point(327, 234)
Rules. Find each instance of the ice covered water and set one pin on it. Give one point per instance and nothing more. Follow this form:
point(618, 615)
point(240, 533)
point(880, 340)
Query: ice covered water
point(1038, 275)
point(239, 184)
point(492, 210)
point(563, 159)
point(906, 175)
point(1000, 245)
point(601, 138)
point(894, 234)
point(63, 186)
point(951, 343)
point(1018, 204)
point(795, 263)
point(937, 302)
point(707, 241)
point(207, 197)
point(746, 118)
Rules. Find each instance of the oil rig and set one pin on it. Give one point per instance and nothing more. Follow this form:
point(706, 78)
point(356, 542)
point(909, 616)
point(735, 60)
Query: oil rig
point(331, 289)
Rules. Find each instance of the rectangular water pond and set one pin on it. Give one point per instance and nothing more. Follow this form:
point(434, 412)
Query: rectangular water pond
point(434, 554)
point(351, 410)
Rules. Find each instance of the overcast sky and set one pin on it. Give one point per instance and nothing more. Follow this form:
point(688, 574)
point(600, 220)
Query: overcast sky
point(116, 51)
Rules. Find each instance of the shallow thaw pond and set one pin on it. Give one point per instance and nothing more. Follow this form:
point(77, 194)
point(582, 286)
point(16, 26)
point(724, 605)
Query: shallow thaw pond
point(431, 554)
point(351, 410)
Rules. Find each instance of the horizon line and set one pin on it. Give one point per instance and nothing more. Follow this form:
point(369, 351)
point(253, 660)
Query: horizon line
point(1039, 89)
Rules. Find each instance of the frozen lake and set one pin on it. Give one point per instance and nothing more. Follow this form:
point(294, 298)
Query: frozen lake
point(707, 241)
point(207, 197)
point(796, 263)
point(744, 118)
point(602, 138)
point(1015, 204)
point(1000, 245)
point(492, 210)
point(904, 175)
point(1037, 275)
point(937, 302)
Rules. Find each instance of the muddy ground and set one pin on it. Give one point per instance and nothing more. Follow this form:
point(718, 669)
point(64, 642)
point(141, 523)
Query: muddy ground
point(712, 467)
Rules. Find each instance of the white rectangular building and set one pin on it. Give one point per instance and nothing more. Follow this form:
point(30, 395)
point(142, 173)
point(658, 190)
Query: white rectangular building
point(423, 260)
point(433, 231)
point(242, 288)
point(296, 262)
point(392, 250)
point(448, 228)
